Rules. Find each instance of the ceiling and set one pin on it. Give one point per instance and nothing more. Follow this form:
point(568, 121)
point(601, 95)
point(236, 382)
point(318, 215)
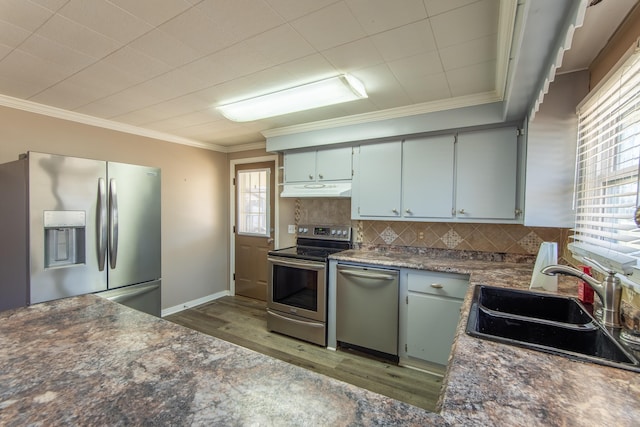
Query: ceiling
point(160, 67)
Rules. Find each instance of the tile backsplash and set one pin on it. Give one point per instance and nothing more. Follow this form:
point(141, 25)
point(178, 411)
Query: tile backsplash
point(503, 238)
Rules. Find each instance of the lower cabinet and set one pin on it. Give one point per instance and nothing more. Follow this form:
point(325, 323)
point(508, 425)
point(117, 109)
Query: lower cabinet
point(429, 312)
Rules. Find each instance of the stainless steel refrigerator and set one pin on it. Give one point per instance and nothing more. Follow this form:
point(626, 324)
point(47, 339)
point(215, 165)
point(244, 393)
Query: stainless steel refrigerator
point(72, 226)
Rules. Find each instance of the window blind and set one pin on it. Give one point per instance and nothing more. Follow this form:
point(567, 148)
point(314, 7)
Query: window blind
point(607, 161)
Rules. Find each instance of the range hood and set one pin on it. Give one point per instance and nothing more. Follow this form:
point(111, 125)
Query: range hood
point(315, 189)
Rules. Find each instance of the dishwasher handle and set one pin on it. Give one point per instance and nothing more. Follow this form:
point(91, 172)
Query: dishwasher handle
point(363, 274)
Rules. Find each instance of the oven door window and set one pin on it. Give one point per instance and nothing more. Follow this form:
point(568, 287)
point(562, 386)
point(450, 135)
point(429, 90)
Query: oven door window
point(295, 287)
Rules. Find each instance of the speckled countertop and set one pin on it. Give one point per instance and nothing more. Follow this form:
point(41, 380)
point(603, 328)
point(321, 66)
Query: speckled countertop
point(89, 361)
point(492, 384)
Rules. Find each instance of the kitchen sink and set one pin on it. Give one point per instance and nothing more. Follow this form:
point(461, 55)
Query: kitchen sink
point(543, 322)
point(530, 304)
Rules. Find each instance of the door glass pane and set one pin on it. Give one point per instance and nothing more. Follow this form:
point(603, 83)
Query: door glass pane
point(253, 202)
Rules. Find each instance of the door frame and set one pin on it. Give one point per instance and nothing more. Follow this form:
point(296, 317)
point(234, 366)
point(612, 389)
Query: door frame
point(232, 209)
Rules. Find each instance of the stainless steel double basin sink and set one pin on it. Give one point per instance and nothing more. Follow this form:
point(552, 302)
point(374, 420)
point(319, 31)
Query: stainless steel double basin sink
point(545, 322)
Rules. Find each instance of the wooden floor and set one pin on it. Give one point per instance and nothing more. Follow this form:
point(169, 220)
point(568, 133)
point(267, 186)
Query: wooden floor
point(242, 321)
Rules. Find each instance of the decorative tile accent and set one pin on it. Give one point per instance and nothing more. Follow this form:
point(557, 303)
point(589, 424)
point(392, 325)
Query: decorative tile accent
point(388, 235)
point(531, 242)
point(359, 228)
point(452, 239)
point(298, 211)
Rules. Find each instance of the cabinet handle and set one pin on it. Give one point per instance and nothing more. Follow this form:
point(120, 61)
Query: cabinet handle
point(409, 211)
point(310, 176)
point(461, 211)
point(394, 210)
point(437, 286)
point(320, 176)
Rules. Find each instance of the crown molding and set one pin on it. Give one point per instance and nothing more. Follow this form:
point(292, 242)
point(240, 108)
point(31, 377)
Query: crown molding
point(246, 147)
point(59, 113)
point(391, 113)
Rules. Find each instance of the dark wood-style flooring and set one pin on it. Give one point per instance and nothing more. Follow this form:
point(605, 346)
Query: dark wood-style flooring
point(242, 321)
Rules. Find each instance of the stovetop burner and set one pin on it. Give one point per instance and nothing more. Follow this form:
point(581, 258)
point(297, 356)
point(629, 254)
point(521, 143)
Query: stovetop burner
point(306, 252)
point(317, 242)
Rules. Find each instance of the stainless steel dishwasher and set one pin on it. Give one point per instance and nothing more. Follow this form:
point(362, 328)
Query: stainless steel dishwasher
point(367, 308)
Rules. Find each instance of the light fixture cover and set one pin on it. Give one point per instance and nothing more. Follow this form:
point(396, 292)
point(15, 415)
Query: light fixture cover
point(335, 90)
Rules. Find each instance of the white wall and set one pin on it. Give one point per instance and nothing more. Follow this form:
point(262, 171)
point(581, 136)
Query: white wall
point(195, 254)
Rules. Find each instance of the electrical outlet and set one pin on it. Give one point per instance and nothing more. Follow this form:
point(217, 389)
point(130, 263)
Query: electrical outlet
point(420, 235)
point(292, 229)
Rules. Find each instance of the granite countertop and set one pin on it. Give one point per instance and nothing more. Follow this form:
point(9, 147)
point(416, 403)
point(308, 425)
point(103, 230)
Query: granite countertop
point(89, 361)
point(489, 383)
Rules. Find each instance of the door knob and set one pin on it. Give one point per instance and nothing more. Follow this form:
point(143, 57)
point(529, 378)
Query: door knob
point(461, 211)
point(310, 176)
point(395, 211)
point(320, 176)
point(409, 211)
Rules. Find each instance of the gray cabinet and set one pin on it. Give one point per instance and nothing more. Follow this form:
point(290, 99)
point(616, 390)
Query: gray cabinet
point(379, 180)
point(486, 174)
point(468, 177)
point(427, 178)
point(330, 164)
point(429, 315)
point(405, 179)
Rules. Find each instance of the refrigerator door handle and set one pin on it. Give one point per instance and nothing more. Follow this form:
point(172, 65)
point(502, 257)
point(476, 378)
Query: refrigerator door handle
point(113, 223)
point(102, 223)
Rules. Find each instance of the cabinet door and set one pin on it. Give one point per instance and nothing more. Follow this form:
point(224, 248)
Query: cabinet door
point(431, 326)
point(379, 179)
point(334, 164)
point(300, 166)
point(427, 177)
point(486, 174)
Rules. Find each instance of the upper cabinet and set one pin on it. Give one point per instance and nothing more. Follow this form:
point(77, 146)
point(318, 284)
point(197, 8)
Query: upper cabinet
point(379, 176)
point(427, 181)
point(486, 174)
point(468, 177)
point(393, 178)
point(330, 164)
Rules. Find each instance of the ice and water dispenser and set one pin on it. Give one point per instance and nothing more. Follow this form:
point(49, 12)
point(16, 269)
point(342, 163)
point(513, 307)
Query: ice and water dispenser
point(64, 238)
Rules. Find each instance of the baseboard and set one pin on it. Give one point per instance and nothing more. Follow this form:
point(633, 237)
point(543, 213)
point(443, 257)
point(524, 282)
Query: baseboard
point(190, 304)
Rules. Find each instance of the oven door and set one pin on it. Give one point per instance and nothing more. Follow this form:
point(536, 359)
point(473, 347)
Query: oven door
point(298, 287)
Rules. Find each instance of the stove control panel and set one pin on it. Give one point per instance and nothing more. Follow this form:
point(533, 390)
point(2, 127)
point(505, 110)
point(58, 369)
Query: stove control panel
point(325, 232)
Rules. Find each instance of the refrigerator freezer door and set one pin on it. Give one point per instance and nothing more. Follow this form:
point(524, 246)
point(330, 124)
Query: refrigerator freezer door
point(134, 227)
point(63, 226)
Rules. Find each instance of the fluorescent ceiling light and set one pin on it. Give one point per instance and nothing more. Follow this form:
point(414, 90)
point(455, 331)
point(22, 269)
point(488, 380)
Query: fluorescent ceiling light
point(330, 91)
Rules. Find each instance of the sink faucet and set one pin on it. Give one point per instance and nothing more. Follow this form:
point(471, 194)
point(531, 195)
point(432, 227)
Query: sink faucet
point(609, 291)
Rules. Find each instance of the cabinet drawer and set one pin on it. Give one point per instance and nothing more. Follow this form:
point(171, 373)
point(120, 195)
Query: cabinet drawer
point(444, 284)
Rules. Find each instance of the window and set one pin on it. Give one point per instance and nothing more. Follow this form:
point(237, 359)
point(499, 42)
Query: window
point(607, 161)
point(253, 202)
